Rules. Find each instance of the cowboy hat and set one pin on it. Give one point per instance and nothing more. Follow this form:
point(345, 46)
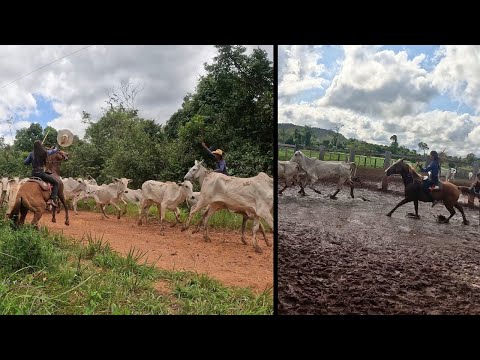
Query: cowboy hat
point(64, 137)
point(218, 151)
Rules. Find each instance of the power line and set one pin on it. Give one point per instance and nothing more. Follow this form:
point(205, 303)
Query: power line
point(31, 72)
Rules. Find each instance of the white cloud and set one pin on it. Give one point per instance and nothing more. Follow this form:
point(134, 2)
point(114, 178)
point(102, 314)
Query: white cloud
point(377, 93)
point(380, 83)
point(458, 73)
point(80, 81)
point(300, 70)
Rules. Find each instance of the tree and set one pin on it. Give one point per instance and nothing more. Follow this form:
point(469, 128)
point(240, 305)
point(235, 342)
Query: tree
point(394, 145)
point(25, 138)
point(423, 146)
point(335, 136)
point(308, 135)
point(326, 142)
point(470, 158)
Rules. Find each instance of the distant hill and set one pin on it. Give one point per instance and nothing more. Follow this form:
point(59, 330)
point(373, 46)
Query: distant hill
point(319, 134)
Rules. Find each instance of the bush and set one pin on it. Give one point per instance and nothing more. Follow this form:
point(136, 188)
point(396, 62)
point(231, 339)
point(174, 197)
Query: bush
point(24, 249)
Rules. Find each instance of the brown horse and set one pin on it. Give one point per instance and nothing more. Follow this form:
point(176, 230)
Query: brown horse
point(448, 192)
point(31, 196)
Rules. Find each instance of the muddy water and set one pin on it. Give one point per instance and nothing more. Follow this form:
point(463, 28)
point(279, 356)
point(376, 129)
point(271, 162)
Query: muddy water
point(346, 256)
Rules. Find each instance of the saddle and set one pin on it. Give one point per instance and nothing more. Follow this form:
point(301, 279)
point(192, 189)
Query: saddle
point(43, 184)
point(434, 187)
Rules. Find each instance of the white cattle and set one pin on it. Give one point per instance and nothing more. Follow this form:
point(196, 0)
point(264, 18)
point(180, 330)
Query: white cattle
point(195, 195)
point(134, 197)
point(450, 174)
point(470, 175)
point(3, 190)
point(109, 194)
point(198, 173)
point(13, 187)
point(322, 170)
point(166, 195)
point(73, 187)
point(289, 171)
point(252, 197)
point(91, 184)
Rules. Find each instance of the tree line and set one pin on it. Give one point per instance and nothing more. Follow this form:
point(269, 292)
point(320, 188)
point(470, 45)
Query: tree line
point(313, 137)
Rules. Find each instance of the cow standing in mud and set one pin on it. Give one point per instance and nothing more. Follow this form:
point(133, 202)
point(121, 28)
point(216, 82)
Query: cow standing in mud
point(292, 174)
point(319, 170)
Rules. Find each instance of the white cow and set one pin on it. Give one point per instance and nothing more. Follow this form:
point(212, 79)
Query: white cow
point(198, 173)
point(470, 175)
point(72, 188)
point(450, 174)
point(166, 195)
point(91, 184)
point(3, 190)
point(289, 172)
point(134, 197)
point(109, 194)
point(13, 187)
point(250, 196)
point(195, 195)
point(319, 170)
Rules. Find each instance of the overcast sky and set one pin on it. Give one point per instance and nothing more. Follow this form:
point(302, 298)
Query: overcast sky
point(57, 94)
point(420, 93)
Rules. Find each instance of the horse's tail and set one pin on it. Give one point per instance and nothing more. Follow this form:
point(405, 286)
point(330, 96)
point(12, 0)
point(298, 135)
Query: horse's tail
point(464, 189)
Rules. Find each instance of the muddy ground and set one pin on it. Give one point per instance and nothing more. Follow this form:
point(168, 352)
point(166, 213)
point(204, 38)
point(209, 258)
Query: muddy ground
point(225, 258)
point(346, 256)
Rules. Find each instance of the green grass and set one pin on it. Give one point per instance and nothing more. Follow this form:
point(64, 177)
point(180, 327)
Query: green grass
point(42, 273)
point(222, 219)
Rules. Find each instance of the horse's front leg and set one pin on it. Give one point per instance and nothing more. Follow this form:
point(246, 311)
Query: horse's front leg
point(415, 203)
point(404, 201)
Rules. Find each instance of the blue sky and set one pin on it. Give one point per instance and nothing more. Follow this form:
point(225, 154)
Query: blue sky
point(45, 111)
point(426, 92)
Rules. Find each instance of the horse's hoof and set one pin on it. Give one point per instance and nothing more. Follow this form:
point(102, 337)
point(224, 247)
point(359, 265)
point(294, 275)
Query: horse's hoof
point(466, 222)
point(244, 242)
point(54, 220)
point(389, 215)
point(67, 223)
point(183, 228)
point(173, 225)
point(207, 239)
point(258, 250)
point(333, 197)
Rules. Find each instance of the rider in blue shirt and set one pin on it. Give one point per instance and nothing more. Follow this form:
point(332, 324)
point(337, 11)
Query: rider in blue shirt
point(218, 154)
point(434, 168)
point(38, 159)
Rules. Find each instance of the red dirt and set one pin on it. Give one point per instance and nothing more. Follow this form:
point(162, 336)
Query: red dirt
point(225, 258)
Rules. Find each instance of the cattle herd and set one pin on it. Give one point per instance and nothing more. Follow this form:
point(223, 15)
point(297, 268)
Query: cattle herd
point(303, 171)
point(252, 197)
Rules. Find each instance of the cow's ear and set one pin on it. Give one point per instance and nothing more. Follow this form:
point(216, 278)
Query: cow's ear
point(196, 162)
point(129, 181)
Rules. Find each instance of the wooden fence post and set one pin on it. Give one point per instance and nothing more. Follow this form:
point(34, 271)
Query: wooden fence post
point(321, 152)
point(352, 155)
point(386, 165)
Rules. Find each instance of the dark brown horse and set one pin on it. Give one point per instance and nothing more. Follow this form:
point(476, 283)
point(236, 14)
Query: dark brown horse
point(448, 192)
point(31, 196)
